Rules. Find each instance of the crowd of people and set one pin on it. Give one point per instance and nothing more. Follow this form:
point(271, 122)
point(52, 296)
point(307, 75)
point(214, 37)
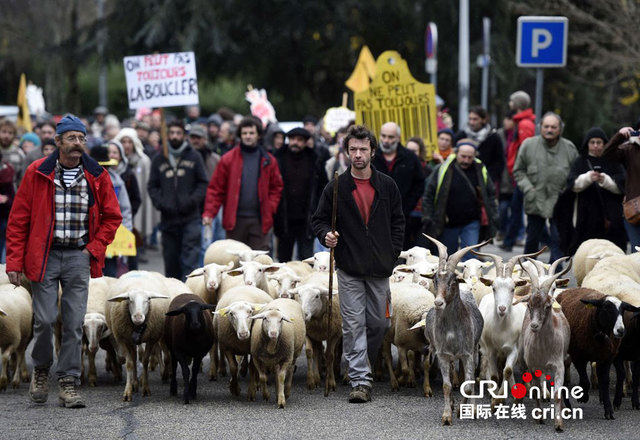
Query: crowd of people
point(229, 176)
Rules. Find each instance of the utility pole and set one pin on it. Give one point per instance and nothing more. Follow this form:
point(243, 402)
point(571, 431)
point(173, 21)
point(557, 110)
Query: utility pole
point(101, 40)
point(463, 64)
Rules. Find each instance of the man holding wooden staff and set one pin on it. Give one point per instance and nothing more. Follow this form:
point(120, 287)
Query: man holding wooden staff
point(368, 238)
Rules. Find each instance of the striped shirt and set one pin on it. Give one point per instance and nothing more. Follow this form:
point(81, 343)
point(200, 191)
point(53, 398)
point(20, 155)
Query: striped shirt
point(71, 227)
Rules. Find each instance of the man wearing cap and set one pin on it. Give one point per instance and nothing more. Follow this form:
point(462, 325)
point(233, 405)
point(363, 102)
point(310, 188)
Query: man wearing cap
point(456, 192)
point(98, 124)
point(405, 169)
point(63, 217)
point(304, 179)
point(248, 185)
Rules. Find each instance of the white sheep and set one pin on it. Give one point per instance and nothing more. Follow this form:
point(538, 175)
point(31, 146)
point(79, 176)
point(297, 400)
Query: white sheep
point(409, 305)
point(205, 281)
point(617, 276)
point(218, 252)
point(319, 261)
point(287, 279)
point(16, 322)
point(97, 333)
point(134, 319)
point(232, 322)
point(301, 268)
point(277, 337)
point(589, 253)
point(255, 274)
point(315, 306)
point(418, 254)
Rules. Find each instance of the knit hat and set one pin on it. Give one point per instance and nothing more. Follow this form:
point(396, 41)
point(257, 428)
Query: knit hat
point(594, 132)
point(447, 131)
point(467, 141)
point(70, 123)
point(521, 100)
point(30, 137)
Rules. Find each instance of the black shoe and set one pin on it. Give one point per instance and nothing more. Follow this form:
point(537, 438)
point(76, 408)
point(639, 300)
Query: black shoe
point(360, 394)
point(505, 248)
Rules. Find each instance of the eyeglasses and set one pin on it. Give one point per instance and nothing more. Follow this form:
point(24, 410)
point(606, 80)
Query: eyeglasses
point(73, 139)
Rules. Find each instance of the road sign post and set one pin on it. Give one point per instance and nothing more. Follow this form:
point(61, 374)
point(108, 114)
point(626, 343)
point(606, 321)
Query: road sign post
point(542, 43)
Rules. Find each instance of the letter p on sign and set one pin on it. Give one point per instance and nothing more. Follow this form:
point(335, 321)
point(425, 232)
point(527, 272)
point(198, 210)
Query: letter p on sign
point(542, 41)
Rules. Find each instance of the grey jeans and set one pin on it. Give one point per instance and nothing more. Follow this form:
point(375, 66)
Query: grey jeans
point(363, 302)
point(71, 269)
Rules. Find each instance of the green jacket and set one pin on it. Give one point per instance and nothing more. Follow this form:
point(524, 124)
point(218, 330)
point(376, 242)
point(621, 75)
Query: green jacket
point(541, 172)
point(434, 201)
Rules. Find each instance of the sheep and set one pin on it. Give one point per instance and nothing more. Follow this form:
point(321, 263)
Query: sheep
point(502, 322)
point(544, 340)
point(218, 252)
point(618, 276)
point(628, 352)
point(287, 279)
point(255, 274)
point(589, 253)
point(97, 333)
point(418, 254)
point(597, 328)
point(188, 334)
point(319, 261)
point(316, 306)
point(205, 281)
point(134, 319)
point(16, 321)
point(409, 305)
point(233, 326)
point(421, 272)
point(454, 325)
point(301, 268)
point(251, 255)
point(277, 336)
point(474, 268)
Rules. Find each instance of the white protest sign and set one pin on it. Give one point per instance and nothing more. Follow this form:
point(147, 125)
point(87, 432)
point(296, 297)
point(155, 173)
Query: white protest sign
point(336, 118)
point(161, 80)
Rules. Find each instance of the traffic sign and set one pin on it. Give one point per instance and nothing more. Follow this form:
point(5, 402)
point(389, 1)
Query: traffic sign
point(542, 41)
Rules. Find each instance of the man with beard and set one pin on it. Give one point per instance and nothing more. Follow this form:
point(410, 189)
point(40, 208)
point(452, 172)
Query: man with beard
point(248, 184)
point(177, 186)
point(11, 153)
point(405, 169)
point(367, 240)
point(63, 217)
point(304, 179)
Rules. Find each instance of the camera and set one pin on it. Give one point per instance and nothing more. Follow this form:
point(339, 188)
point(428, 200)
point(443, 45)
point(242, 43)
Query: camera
point(597, 168)
point(635, 133)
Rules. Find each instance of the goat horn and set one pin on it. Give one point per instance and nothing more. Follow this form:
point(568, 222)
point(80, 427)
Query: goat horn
point(455, 258)
point(547, 284)
point(442, 253)
point(497, 259)
point(514, 260)
point(533, 275)
point(554, 265)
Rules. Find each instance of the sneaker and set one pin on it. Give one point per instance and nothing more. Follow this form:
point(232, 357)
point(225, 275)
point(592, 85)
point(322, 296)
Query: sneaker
point(68, 396)
point(39, 387)
point(360, 394)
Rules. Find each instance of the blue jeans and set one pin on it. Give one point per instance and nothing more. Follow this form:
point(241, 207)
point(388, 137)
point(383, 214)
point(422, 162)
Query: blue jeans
point(535, 235)
point(633, 232)
point(181, 248)
point(516, 218)
point(461, 236)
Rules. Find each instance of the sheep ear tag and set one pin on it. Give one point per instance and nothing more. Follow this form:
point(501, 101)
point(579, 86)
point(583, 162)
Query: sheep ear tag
point(223, 312)
point(589, 306)
point(258, 307)
point(421, 323)
point(556, 305)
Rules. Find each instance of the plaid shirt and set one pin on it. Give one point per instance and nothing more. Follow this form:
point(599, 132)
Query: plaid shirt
point(71, 227)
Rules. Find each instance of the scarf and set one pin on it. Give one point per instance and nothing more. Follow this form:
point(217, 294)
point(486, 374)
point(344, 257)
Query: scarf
point(174, 153)
point(478, 136)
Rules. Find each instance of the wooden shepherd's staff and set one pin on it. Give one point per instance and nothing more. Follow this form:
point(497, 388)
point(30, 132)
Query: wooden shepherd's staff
point(334, 213)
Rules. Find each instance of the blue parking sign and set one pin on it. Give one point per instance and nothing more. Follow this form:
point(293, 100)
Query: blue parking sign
point(542, 41)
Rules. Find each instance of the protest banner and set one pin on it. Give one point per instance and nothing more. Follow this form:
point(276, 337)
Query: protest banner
point(260, 106)
point(161, 80)
point(364, 71)
point(337, 117)
point(124, 244)
point(394, 95)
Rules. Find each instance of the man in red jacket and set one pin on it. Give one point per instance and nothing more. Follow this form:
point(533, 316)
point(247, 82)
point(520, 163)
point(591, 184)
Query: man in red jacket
point(525, 127)
point(63, 217)
point(248, 184)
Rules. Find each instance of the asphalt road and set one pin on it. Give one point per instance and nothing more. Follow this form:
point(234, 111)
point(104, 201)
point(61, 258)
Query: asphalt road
point(309, 415)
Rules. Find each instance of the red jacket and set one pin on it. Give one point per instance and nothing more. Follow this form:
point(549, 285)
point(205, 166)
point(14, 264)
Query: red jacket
point(525, 128)
point(31, 221)
point(224, 189)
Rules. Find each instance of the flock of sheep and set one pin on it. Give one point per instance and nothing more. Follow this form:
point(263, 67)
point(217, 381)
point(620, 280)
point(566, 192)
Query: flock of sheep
point(478, 319)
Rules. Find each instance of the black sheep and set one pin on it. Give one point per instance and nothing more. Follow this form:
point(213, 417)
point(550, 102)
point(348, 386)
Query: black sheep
point(188, 333)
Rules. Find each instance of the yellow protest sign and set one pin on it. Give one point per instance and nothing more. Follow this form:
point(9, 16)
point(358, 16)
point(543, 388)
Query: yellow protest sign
point(124, 244)
point(364, 71)
point(395, 95)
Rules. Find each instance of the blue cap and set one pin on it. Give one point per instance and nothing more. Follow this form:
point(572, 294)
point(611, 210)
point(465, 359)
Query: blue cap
point(30, 137)
point(70, 123)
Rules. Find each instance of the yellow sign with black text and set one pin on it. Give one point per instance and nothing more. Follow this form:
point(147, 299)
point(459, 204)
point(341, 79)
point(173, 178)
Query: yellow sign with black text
point(394, 95)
